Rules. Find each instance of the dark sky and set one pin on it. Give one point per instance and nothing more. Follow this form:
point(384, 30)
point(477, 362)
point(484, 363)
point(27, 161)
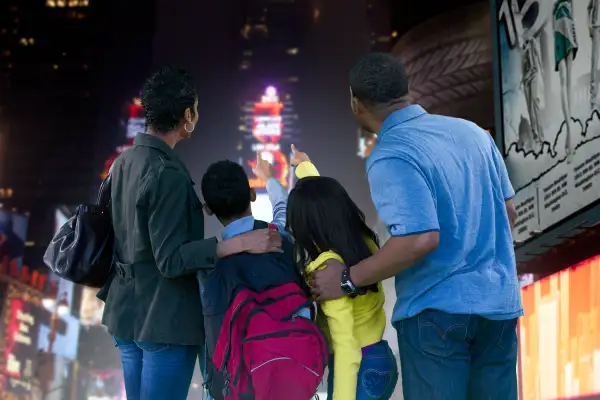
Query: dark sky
point(200, 36)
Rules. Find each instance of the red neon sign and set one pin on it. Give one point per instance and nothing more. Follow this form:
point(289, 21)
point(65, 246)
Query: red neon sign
point(12, 365)
point(267, 128)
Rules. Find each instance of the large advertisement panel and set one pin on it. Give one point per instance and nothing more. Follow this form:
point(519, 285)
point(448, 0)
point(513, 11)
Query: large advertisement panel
point(559, 336)
point(269, 126)
point(20, 322)
point(548, 53)
point(134, 123)
point(13, 234)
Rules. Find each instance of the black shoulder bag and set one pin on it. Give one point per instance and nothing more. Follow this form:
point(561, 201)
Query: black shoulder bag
point(82, 250)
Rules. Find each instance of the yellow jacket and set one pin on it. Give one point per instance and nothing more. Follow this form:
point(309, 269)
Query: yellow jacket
point(349, 323)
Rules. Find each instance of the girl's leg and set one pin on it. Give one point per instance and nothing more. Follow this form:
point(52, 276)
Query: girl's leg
point(330, 379)
point(378, 373)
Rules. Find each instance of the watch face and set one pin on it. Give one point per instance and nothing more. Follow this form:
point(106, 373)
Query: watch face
point(346, 288)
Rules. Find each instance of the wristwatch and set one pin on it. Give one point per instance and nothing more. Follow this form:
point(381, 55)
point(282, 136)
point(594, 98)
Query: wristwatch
point(348, 287)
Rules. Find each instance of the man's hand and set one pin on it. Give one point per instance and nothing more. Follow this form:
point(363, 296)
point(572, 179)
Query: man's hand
point(326, 284)
point(263, 169)
point(298, 157)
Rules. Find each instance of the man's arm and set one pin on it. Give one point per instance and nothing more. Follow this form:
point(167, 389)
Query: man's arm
point(508, 192)
point(175, 254)
point(511, 210)
point(406, 205)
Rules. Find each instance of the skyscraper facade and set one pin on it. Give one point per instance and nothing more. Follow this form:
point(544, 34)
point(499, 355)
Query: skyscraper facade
point(61, 79)
point(272, 36)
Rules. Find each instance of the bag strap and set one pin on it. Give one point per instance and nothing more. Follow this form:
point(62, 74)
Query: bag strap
point(103, 198)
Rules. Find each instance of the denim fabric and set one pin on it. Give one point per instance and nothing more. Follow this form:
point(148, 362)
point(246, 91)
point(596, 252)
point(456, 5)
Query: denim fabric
point(377, 376)
point(155, 371)
point(202, 363)
point(456, 357)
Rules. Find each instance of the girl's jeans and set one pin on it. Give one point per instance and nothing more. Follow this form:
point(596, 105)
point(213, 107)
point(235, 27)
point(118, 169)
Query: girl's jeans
point(377, 376)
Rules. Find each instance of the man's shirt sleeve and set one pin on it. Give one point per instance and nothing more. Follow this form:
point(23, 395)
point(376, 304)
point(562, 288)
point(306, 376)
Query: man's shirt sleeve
point(507, 189)
point(402, 197)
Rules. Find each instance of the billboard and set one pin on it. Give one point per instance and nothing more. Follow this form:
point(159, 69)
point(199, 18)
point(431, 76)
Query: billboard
point(548, 51)
point(559, 336)
point(269, 126)
point(13, 234)
point(134, 122)
point(22, 316)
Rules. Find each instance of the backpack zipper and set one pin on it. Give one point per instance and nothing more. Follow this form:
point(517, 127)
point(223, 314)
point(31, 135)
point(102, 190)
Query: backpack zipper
point(285, 358)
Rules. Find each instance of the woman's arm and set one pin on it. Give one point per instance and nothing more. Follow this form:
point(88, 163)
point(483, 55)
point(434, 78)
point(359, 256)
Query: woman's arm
point(169, 226)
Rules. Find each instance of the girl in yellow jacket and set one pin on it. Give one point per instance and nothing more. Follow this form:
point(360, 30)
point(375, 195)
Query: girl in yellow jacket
point(327, 224)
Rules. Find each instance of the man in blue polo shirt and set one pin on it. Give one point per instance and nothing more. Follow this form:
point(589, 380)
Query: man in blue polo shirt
point(441, 187)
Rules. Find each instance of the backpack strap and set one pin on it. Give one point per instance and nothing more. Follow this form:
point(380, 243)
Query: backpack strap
point(260, 225)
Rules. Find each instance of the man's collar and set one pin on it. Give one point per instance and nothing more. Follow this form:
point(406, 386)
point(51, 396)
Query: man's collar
point(397, 117)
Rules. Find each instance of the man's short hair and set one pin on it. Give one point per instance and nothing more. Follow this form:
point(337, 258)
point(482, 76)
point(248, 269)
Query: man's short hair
point(379, 79)
point(225, 189)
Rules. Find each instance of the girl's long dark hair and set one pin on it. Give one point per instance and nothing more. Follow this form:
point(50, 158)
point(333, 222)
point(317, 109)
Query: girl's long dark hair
point(321, 216)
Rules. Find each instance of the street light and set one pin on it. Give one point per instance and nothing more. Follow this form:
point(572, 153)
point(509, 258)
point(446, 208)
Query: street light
point(63, 305)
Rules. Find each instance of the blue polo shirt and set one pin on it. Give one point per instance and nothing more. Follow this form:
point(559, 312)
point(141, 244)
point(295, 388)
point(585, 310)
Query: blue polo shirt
point(435, 173)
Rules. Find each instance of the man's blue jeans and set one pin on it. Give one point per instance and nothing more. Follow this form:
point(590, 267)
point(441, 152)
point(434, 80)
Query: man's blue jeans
point(156, 371)
point(457, 357)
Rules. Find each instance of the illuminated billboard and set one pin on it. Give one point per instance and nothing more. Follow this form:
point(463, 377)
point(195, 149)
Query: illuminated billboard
point(13, 233)
point(559, 336)
point(269, 127)
point(366, 142)
point(548, 53)
point(135, 122)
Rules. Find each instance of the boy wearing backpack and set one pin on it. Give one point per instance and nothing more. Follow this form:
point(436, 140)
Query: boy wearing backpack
point(261, 343)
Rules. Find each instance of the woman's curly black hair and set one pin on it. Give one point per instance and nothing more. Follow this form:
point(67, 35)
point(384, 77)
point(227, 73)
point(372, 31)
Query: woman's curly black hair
point(165, 97)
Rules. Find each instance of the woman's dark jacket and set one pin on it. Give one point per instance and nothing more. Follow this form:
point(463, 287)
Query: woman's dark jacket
point(160, 246)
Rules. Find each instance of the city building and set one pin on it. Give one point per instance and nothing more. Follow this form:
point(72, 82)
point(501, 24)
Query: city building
point(63, 81)
point(272, 36)
point(59, 82)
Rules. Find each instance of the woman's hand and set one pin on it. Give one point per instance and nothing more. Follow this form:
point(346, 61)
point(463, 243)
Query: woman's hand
point(256, 242)
point(298, 157)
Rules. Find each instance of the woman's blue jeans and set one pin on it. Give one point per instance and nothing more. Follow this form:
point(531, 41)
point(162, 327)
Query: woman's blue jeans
point(155, 371)
point(377, 376)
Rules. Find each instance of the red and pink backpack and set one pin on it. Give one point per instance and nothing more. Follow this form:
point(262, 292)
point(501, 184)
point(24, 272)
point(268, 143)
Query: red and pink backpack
point(257, 346)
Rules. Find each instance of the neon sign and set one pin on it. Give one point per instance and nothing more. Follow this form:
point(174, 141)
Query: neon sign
point(267, 128)
point(136, 123)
